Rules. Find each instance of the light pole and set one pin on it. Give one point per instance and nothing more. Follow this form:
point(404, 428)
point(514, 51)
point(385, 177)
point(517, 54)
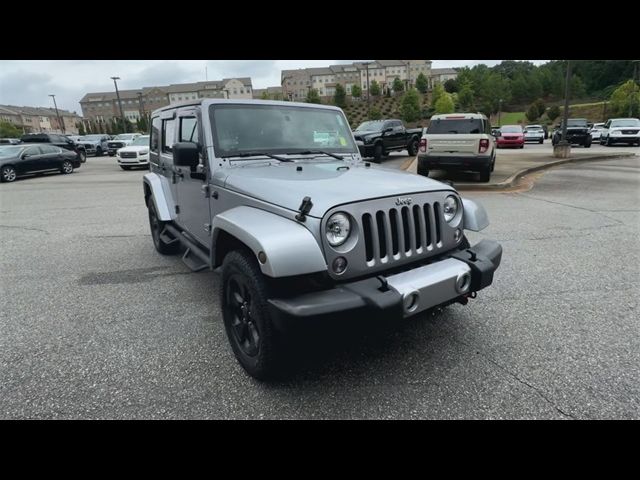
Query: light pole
point(124, 125)
point(60, 124)
point(366, 64)
point(499, 112)
point(567, 92)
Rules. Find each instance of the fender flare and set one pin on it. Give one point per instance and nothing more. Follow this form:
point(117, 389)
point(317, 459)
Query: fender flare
point(475, 217)
point(289, 247)
point(160, 191)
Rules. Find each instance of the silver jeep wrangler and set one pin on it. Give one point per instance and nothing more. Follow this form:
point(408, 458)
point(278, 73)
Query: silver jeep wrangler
point(275, 196)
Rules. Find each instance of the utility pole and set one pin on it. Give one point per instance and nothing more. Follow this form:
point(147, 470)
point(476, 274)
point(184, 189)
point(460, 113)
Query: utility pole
point(124, 125)
point(499, 112)
point(60, 123)
point(368, 102)
point(567, 92)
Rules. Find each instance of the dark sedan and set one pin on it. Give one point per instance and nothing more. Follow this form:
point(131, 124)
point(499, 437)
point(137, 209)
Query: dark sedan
point(16, 160)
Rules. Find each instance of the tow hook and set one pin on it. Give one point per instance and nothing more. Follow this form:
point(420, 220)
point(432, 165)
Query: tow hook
point(464, 299)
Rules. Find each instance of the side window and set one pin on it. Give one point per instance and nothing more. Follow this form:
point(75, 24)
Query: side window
point(188, 129)
point(32, 151)
point(168, 131)
point(47, 149)
point(156, 123)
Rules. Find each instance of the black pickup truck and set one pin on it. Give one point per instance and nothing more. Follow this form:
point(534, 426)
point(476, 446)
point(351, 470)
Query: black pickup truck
point(376, 138)
point(578, 132)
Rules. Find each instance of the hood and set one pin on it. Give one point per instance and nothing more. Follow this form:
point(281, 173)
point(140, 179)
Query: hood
point(326, 183)
point(134, 148)
point(88, 142)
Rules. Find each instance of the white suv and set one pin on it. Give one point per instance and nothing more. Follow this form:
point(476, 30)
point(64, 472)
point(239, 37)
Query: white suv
point(458, 141)
point(621, 130)
point(134, 155)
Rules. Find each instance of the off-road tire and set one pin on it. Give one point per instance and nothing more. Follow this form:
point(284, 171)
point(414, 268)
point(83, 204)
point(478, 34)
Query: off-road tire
point(157, 226)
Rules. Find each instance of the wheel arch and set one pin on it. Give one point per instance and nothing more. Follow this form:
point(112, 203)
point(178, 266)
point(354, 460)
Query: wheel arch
point(282, 247)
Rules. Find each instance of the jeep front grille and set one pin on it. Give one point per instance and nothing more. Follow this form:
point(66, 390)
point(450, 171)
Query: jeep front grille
point(401, 232)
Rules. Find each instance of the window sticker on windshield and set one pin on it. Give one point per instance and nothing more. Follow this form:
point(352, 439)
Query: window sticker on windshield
point(343, 141)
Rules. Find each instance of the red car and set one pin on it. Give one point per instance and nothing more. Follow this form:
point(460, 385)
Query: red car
point(510, 136)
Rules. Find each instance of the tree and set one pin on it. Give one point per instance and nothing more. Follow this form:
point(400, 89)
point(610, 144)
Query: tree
point(540, 106)
point(438, 91)
point(9, 130)
point(80, 128)
point(356, 91)
point(553, 112)
point(340, 96)
point(451, 86)
point(398, 86)
point(375, 114)
point(264, 96)
point(422, 84)
point(445, 104)
point(578, 88)
point(313, 96)
point(465, 97)
point(532, 113)
point(625, 100)
point(410, 106)
point(374, 88)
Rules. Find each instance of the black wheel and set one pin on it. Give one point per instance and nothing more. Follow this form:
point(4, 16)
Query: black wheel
point(422, 170)
point(157, 226)
point(541, 140)
point(8, 173)
point(245, 312)
point(587, 144)
point(485, 175)
point(378, 153)
point(608, 142)
point(413, 147)
point(82, 155)
point(99, 152)
point(522, 146)
point(125, 167)
point(111, 154)
point(67, 167)
point(493, 163)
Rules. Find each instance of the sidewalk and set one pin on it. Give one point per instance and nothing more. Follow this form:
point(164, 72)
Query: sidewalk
point(510, 169)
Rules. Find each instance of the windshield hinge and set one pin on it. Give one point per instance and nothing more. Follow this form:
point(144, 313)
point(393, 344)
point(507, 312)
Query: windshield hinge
point(305, 208)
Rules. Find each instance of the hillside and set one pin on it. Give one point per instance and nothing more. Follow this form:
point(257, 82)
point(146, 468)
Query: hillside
point(389, 107)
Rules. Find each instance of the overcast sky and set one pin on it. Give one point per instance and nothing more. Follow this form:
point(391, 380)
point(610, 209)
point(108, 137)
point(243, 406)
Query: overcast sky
point(29, 82)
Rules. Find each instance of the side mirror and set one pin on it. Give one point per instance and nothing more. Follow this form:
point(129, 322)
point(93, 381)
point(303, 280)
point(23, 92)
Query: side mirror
point(185, 154)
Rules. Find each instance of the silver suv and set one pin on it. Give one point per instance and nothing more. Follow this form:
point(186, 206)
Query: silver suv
point(275, 197)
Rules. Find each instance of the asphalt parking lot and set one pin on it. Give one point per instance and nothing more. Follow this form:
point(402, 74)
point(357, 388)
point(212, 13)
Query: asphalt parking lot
point(95, 324)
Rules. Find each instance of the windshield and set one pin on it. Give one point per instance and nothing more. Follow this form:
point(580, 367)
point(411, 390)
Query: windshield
point(511, 129)
point(631, 122)
point(9, 150)
point(124, 136)
point(92, 137)
point(141, 140)
point(577, 122)
point(278, 129)
point(372, 126)
point(455, 126)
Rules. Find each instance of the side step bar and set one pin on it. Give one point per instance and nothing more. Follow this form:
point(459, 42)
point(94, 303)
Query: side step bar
point(194, 257)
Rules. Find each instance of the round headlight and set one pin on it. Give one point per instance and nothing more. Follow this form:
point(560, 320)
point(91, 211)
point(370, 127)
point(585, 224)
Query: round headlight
point(450, 207)
point(337, 229)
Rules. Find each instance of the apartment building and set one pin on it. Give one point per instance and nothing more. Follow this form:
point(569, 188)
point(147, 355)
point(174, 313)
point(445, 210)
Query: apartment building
point(103, 106)
point(297, 83)
point(40, 119)
point(272, 93)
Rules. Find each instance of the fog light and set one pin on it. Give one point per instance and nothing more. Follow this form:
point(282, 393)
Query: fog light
point(339, 265)
point(463, 282)
point(411, 302)
point(457, 235)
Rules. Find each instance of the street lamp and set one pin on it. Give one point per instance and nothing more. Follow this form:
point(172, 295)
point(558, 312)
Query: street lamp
point(499, 112)
point(124, 125)
point(60, 123)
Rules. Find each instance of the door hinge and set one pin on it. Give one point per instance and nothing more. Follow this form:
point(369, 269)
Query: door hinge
point(177, 209)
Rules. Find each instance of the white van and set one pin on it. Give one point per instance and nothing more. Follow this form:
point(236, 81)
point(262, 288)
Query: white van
point(458, 141)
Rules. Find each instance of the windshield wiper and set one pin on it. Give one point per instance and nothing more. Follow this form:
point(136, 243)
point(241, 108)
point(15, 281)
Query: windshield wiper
point(319, 152)
point(258, 154)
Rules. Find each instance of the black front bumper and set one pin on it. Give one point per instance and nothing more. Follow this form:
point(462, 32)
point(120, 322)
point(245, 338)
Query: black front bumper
point(372, 297)
point(435, 162)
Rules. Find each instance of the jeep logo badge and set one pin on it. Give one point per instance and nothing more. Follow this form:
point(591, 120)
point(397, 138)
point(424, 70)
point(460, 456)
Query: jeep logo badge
point(403, 201)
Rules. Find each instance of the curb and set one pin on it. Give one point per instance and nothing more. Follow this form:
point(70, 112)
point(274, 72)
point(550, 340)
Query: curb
point(513, 180)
